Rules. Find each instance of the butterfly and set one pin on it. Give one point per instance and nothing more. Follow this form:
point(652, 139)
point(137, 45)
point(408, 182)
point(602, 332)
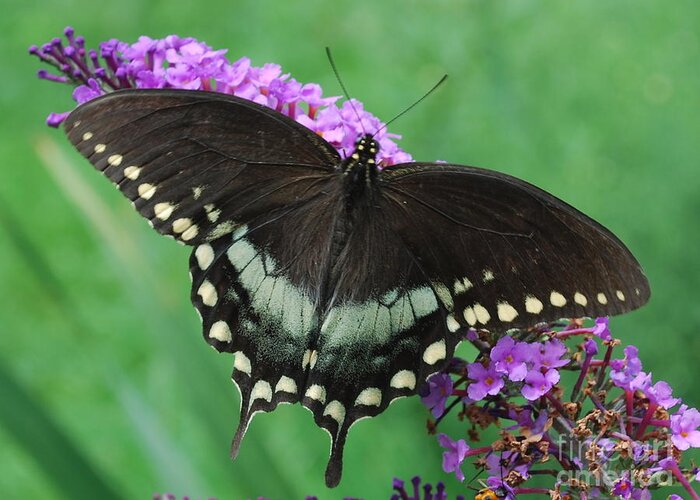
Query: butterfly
point(334, 283)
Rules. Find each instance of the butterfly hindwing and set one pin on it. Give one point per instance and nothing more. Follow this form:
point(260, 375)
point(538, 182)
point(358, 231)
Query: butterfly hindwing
point(189, 162)
point(307, 325)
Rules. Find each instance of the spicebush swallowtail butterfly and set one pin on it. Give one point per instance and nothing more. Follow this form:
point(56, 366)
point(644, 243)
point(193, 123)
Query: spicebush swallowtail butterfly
point(335, 284)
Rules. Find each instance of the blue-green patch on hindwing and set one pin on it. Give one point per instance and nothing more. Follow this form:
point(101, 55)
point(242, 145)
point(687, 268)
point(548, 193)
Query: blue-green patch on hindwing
point(373, 352)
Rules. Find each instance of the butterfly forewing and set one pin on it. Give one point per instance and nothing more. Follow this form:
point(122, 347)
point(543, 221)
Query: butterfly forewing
point(198, 164)
point(510, 254)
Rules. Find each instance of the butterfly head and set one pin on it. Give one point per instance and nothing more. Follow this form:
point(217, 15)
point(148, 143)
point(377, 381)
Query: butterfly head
point(366, 149)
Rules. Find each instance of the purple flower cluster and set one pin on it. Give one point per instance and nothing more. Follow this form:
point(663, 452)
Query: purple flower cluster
point(186, 63)
point(615, 435)
point(532, 365)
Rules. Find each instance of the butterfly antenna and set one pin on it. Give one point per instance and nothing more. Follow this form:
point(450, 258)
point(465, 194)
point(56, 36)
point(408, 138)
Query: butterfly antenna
point(435, 87)
point(345, 91)
point(471, 481)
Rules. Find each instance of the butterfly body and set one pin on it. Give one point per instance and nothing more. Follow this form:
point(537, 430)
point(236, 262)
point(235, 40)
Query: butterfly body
point(334, 283)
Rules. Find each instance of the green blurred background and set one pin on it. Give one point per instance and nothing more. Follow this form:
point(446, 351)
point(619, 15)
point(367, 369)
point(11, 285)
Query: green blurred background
point(106, 388)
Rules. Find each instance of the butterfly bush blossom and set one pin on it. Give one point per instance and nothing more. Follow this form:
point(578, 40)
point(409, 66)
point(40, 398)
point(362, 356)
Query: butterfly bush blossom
point(186, 63)
point(616, 435)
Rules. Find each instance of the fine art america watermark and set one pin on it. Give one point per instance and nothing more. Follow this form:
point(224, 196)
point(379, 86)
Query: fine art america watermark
point(601, 463)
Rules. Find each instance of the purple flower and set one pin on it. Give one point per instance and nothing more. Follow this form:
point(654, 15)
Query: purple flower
point(605, 448)
point(529, 427)
point(661, 394)
point(591, 347)
point(538, 384)
point(55, 119)
point(84, 93)
point(486, 381)
point(509, 358)
point(642, 382)
point(623, 487)
point(601, 328)
point(548, 354)
point(641, 452)
point(684, 428)
point(641, 494)
point(439, 388)
point(454, 456)
point(624, 370)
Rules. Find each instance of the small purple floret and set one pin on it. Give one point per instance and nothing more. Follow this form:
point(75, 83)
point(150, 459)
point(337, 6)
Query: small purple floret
point(452, 458)
point(438, 389)
point(486, 381)
point(509, 357)
point(684, 426)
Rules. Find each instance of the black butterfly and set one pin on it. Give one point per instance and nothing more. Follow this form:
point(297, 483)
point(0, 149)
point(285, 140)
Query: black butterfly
point(335, 284)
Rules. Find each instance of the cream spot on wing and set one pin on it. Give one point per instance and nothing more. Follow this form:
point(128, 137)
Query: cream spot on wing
point(197, 192)
point(482, 315)
point(313, 357)
point(76, 123)
point(602, 298)
point(132, 172)
point(533, 305)
point(557, 299)
point(163, 210)
point(115, 160)
point(461, 286)
point(580, 299)
point(487, 275)
point(261, 390)
point(336, 411)
point(435, 352)
point(190, 233)
point(470, 316)
point(213, 213)
point(220, 331)
point(87, 136)
point(286, 384)
point(208, 293)
point(222, 229)
point(146, 190)
point(241, 363)
point(369, 397)
point(404, 379)
point(100, 148)
point(181, 225)
point(305, 359)
point(204, 255)
point(506, 312)
point(317, 393)
point(620, 295)
point(443, 294)
point(452, 323)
